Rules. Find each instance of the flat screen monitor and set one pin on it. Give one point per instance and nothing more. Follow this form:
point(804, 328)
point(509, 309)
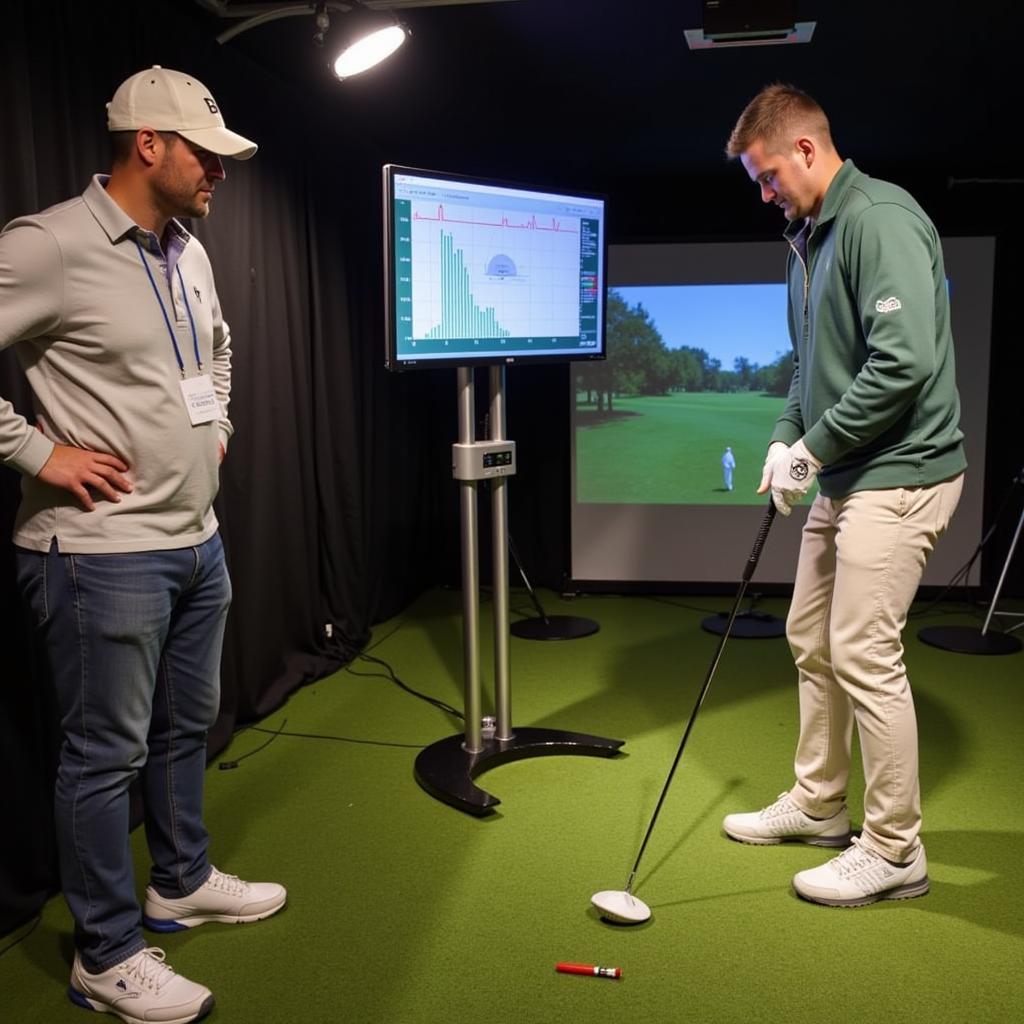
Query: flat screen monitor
point(483, 272)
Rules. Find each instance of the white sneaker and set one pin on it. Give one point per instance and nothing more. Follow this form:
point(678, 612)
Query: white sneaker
point(783, 821)
point(859, 876)
point(140, 990)
point(221, 897)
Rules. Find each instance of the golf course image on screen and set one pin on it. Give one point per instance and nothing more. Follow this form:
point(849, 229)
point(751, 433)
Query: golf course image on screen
point(682, 410)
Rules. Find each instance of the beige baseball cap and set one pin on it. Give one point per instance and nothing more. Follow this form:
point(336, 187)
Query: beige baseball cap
point(171, 101)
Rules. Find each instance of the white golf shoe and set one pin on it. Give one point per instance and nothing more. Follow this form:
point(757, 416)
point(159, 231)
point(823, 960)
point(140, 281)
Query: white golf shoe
point(859, 876)
point(221, 897)
point(783, 821)
point(140, 990)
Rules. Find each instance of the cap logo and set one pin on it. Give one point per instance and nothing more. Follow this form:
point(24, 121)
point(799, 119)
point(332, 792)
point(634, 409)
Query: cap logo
point(213, 106)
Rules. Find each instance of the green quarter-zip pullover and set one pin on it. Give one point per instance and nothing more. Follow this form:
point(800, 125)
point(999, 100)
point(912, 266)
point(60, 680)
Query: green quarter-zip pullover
point(873, 392)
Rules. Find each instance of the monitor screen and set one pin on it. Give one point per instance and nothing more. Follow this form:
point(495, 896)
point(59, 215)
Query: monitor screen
point(482, 272)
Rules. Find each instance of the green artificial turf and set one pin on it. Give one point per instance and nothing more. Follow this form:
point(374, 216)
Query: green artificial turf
point(403, 910)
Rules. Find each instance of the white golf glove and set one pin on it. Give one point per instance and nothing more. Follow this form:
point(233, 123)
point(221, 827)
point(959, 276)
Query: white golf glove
point(790, 472)
point(776, 450)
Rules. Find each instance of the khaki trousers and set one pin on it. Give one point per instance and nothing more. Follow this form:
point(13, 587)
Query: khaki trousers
point(861, 560)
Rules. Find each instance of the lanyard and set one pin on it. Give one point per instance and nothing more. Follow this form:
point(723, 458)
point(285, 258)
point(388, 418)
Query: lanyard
point(167, 321)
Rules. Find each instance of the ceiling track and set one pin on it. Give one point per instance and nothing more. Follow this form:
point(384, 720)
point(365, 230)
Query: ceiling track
point(226, 9)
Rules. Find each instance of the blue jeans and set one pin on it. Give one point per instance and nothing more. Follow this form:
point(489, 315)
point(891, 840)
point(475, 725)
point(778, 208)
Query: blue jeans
point(132, 643)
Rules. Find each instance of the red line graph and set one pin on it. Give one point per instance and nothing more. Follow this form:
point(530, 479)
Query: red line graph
point(529, 225)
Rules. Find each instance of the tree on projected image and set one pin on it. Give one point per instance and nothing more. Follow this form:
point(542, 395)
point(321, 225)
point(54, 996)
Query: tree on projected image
point(654, 420)
point(641, 363)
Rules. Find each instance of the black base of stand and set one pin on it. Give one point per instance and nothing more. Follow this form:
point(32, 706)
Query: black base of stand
point(968, 640)
point(554, 627)
point(446, 771)
point(747, 625)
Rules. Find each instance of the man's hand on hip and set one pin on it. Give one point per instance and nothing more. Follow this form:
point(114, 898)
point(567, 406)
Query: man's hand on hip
point(76, 470)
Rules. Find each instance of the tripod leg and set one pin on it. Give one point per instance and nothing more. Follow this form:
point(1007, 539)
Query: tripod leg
point(1002, 575)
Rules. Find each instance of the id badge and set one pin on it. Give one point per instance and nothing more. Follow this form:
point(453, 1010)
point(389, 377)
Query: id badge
point(200, 399)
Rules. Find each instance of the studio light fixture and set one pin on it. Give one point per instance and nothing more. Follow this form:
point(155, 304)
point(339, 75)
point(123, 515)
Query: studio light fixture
point(370, 37)
point(365, 37)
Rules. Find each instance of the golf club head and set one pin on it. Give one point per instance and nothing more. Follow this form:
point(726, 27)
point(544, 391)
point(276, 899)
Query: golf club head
point(621, 907)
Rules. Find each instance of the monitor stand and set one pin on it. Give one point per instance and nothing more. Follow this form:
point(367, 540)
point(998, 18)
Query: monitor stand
point(446, 769)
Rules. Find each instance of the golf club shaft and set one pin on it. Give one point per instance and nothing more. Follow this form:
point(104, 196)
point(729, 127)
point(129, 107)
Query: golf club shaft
point(748, 572)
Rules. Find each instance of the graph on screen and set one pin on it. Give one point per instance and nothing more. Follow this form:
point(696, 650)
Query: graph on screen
point(488, 271)
point(481, 274)
point(460, 316)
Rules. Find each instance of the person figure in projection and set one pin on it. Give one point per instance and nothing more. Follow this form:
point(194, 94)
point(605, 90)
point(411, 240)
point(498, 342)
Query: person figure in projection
point(728, 465)
point(110, 305)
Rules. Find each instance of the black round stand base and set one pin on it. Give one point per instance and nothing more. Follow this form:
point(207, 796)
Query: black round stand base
point(747, 626)
point(554, 627)
point(968, 640)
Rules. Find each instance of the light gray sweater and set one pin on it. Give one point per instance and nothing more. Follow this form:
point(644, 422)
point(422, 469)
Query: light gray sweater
point(84, 317)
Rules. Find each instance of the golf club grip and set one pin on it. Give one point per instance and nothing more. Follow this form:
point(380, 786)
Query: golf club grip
point(762, 536)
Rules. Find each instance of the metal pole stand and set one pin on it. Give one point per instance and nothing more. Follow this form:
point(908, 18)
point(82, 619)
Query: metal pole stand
point(446, 769)
point(971, 640)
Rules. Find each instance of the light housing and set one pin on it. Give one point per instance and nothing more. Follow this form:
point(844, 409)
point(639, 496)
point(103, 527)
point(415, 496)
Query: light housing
point(367, 47)
point(367, 36)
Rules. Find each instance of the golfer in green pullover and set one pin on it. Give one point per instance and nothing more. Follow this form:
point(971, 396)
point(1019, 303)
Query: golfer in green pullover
point(872, 416)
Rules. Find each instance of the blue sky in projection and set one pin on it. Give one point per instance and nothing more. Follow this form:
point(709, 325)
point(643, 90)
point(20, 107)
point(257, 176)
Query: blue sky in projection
point(726, 320)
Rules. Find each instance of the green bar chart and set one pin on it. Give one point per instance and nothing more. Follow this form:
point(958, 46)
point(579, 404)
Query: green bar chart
point(461, 317)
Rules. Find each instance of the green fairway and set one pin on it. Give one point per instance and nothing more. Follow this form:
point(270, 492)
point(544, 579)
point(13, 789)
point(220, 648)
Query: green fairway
point(667, 449)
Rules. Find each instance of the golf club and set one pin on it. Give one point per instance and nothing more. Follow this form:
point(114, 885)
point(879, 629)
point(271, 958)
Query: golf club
point(621, 906)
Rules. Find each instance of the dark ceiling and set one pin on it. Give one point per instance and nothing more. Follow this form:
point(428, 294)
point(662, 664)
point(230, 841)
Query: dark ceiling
point(574, 91)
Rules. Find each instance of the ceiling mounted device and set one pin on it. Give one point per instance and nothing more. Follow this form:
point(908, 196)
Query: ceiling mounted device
point(361, 38)
point(728, 23)
point(368, 37)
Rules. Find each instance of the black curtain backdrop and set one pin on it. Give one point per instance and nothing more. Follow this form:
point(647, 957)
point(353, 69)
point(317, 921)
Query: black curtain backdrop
point(337, 504)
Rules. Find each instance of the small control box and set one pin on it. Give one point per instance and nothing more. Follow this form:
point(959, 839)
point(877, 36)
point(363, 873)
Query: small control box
point(482, 460)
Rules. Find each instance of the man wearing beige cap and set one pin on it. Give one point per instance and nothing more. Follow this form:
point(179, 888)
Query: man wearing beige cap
point(111, 307)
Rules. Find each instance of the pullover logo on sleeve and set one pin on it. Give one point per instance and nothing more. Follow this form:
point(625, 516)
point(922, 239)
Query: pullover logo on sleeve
point(889, 305)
